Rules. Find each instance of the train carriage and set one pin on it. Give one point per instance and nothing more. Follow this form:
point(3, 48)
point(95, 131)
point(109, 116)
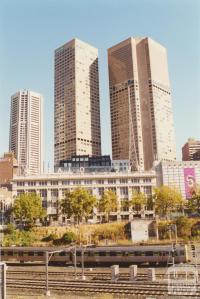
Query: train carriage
point(34, 254)
point(134, 254)
point(152, 254)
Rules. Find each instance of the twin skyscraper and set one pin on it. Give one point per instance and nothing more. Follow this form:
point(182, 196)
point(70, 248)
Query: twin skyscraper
point(140, 104)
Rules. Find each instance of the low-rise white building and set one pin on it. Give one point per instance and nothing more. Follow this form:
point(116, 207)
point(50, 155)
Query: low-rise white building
point(182, 175)
point(52, 187)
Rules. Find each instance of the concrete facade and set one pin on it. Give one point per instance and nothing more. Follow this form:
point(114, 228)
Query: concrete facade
point(190, 148)
point(77, 108)
point(26, 131)
point(140, 103)
point(52, 188)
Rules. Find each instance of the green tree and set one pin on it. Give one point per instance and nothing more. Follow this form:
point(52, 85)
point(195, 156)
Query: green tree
point(183, 226)
point(78, 203)
point(167, 200)
point(150, 202)
point(194, 202)
point(108, 203)
point(138, 201)
point(27, 208)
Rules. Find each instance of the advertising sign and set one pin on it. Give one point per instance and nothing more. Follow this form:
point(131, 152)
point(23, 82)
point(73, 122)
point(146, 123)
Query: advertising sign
point(189, 180)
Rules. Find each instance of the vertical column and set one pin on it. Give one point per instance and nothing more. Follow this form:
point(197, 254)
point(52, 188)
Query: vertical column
point(119, 202)
point(114, 273)
point(48, 201)
point(133, 272)
point(60, 197)
point(95, 193)
point(151, 274)
point(130, 193)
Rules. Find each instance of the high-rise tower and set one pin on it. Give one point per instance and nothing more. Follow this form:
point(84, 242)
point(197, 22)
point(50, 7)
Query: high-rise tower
point(77, 108)
point(26, 131)
point(140, 101)
point(190, 148)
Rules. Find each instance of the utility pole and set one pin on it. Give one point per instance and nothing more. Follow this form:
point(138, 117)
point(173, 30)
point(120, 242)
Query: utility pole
point(75, 263)
point(48, 256)
point(47, 280)
point(175, 229)
point(170, 233)
point(82, 262)
point(173, 253)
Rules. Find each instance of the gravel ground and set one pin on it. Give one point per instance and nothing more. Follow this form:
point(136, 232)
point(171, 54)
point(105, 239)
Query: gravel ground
point(66, 296)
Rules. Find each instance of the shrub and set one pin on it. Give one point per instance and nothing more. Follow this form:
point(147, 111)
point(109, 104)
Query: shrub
point(10, 228)
point(49, 238)
point(68, 237)
point(111, 231)
point(19, 238)
point(27, 238)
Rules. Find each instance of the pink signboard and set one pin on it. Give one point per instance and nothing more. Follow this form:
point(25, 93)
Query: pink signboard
point(189, 179)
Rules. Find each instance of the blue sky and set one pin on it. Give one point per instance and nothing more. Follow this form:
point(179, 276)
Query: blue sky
point(31, 30)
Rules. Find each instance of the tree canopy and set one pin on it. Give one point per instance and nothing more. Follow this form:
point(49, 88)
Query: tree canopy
point(167, 200)
point(27, 208)
point(138, 201)
point(194, 202)
point(78, 203)
point(108, 203)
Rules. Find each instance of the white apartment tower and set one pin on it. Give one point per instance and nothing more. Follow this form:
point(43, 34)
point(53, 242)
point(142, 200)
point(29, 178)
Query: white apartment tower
point(140, 101)
point(77, 108)
point(26, 131)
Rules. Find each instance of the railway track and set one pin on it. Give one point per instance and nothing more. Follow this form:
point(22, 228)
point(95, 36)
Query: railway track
point(88, 287)
point(95, 275)
point(136, 288)
point(71, 272)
